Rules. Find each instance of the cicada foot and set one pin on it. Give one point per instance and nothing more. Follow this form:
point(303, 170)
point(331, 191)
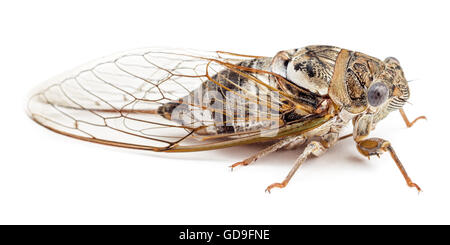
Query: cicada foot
point(376, 146)
point(242, 163)
point(415, 120)
point(407, 122)
point(412, 184)
point(276, 185)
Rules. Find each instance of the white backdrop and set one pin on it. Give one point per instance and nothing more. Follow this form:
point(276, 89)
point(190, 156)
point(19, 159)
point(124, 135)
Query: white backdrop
point(47, 178)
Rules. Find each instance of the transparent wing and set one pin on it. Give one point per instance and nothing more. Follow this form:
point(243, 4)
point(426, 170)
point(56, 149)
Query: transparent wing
point(128, 100)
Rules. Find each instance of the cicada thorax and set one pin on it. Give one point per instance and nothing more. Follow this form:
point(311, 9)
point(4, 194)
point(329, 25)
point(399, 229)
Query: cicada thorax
point(309, 68)
point(308, 72)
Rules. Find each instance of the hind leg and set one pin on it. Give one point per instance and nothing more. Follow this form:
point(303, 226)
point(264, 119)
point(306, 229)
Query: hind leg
point(314, 148)
point(278, 145)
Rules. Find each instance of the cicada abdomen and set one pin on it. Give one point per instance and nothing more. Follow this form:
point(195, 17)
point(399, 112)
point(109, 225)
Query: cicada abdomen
point(230, 101)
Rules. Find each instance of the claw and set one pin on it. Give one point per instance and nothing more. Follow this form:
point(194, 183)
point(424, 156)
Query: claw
point(243, 163)
point(278, 185)
point(236, 164)
point(412, 184)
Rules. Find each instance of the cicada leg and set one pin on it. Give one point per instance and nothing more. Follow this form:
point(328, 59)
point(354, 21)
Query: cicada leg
point(376, 146)
point(315, 148)
point(280, 144)
point(346, 136)
point(405, 118)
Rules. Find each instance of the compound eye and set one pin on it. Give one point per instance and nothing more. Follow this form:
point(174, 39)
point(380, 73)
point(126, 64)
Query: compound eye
point(377, 94)
point(392, 60)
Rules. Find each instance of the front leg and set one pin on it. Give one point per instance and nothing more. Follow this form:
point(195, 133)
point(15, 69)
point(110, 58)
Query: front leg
point(376, 146)
point(405, 118)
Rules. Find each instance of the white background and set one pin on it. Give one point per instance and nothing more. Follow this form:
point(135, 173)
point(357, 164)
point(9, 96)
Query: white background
point(46, 178)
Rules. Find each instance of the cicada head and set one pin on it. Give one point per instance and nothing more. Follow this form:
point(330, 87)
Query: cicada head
point(362, 84)
point(389, 91)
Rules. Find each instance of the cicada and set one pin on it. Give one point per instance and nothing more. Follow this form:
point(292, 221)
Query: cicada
point(179, 100)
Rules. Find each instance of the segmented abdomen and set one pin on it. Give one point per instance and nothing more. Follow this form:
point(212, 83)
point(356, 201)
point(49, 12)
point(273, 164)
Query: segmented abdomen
point(227, 103)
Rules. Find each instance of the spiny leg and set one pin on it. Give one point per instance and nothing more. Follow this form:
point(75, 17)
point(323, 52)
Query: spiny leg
point(405, 118)
point(313, 147)
point(278, 145)
point(376, 146)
